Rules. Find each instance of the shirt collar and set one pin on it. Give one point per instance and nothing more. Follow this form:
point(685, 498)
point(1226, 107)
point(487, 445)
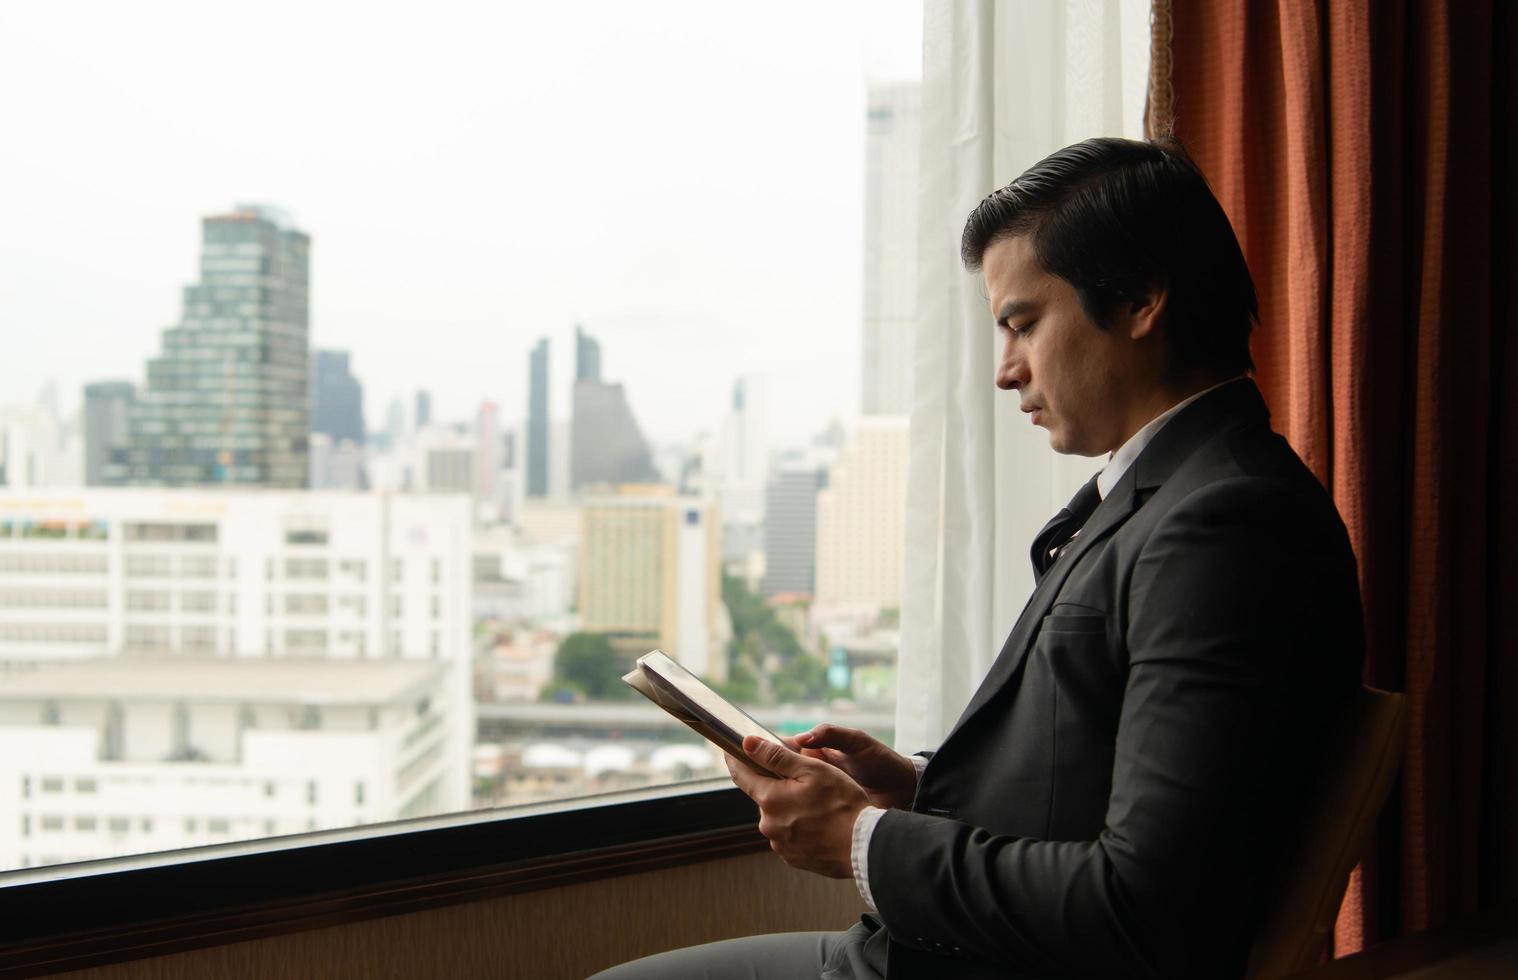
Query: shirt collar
point(1129, 451)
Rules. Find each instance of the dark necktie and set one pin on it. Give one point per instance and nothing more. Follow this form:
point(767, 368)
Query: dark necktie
point(1051, 541)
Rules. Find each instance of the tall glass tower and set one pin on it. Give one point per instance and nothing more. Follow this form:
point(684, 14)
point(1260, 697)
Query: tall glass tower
point(537, 420)
point(227, 401)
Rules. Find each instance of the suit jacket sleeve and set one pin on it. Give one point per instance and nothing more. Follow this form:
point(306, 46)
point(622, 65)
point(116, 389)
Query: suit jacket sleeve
point(1223, 597)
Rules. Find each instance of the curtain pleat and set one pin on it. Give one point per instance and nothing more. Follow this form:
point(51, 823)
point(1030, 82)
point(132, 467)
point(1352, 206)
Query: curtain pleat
point(1005, 83)
point(1363, 151)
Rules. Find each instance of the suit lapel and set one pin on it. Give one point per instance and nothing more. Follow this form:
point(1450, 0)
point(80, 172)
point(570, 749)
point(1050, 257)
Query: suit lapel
point(1232, 404)
point(1114, 509)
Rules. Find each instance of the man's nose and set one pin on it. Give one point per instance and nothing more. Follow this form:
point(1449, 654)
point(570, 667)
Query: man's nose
point(1011, 371)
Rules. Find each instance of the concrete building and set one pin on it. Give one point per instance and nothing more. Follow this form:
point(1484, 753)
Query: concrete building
point(790, 529)
point(489, 459)
point(227, 400)
point(606, 445)
point(265, 577)
point(650, 576)
point(890, 246)
point(36, 450)
point(422, 417)
point(587, 356)
point(125, 756)
point(337, 398)
point(860, 518)
point(106, 408)
point(336, 466)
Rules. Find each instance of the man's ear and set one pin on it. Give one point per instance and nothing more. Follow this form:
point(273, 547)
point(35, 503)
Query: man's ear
point(1145, 311)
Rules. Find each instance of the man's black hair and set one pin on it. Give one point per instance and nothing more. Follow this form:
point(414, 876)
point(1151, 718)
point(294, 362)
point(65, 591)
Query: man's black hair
point(1115, 218)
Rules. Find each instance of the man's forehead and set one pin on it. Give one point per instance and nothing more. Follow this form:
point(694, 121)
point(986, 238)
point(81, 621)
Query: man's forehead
point(1013, 277)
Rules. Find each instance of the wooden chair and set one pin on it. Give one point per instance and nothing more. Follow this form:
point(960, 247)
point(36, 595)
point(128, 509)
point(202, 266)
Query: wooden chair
point(1361, 768)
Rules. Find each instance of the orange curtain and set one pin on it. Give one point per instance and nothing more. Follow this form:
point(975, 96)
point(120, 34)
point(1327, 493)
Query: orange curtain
point(1365, 152)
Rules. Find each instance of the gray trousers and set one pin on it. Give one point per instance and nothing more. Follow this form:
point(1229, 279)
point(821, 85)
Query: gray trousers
point(780, 956)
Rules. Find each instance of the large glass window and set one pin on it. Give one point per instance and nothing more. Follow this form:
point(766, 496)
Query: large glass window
point(392, 384)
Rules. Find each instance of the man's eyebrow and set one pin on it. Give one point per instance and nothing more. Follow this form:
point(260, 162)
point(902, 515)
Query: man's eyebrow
point(1012, 309)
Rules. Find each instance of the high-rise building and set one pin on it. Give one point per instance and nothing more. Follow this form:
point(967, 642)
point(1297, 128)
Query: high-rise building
point(422, 417)
point(861, 518)
point(106, 404)
point(446, 463)
point(790, 528)
point(337, 466)
point(227, 400)
point(587, 356)
point(650, 576)
point(606, 445)
point(537, 420)
point(395, 423)
point(488, 460)
point(890, 247)
point(743, 469)
point(337, 398)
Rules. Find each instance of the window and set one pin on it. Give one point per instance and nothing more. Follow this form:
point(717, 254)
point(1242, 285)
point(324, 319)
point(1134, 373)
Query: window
point(143, 600)
point(200, 602)
point(344, 484)
point(306, 603)
point(148, 565)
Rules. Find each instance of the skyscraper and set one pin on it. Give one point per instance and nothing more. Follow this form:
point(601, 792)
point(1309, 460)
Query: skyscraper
point(337, 398)
point(423, 415)
point(587, 356)
point(106, 405)
point(860, 519)
point(790, 529)
point(605, 444)
point(227, 400)
point(487, 454)
point(537, 420)
point(890, 247)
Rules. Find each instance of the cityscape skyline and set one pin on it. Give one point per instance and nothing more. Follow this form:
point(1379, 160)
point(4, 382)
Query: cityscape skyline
point(526, 398)
point(443, 255)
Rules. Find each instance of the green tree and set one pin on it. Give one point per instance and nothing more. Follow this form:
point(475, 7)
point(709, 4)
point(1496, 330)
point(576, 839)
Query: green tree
point(801, 678)
point(758, 637)
point(587, 663)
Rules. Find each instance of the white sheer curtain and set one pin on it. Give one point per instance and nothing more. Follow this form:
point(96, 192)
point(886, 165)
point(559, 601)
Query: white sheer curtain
point(1005, 82)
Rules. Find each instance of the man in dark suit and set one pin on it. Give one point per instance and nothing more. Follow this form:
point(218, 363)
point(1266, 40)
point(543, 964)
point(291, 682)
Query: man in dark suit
point(1116, 795)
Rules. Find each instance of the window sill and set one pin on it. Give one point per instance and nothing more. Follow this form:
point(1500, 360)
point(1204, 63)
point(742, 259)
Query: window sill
point(129, 908)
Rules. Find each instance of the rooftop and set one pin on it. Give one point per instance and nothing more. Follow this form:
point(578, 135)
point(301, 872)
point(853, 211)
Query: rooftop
point(320, 682)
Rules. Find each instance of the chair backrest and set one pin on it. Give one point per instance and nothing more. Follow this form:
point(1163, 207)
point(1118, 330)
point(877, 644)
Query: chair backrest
point(1361, 767)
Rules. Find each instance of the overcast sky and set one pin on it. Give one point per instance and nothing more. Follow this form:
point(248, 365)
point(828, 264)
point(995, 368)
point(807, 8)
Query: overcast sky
point(684, 178)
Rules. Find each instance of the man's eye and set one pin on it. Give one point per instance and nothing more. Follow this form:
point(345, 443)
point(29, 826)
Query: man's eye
point(1023, 330)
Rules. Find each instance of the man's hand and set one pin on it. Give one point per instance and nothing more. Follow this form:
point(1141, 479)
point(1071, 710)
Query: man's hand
point(889, 779)
point(807, 813)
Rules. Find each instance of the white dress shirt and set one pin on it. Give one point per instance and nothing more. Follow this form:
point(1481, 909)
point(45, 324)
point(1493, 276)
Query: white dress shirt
point(864, 824)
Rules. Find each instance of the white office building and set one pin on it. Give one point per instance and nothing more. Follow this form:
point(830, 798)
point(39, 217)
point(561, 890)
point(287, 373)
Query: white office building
point(122, 756)
point(269, 579)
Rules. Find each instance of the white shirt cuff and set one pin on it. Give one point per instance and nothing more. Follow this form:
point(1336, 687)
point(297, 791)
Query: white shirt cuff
point(864, 826)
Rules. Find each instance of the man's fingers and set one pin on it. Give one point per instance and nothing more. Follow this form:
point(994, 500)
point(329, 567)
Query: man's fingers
point(744, 777)
point(837, 737)
point(776, 758)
